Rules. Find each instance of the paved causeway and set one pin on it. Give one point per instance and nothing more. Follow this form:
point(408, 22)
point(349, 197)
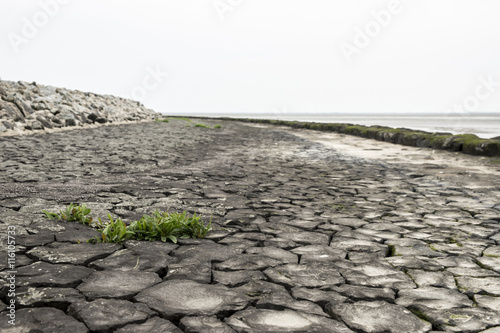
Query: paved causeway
point(307, 238)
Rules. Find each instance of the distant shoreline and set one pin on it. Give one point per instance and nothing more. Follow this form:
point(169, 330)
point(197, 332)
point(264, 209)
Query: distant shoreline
point(466, 143)
point(484, 125)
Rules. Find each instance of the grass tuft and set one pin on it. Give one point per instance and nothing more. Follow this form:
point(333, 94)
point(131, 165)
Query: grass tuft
point(182, 118)
point(72, 213)
point(161, 226)
point(201, 125)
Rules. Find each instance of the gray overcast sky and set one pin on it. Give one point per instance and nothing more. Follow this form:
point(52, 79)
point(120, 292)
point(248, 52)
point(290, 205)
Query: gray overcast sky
point(242, 56)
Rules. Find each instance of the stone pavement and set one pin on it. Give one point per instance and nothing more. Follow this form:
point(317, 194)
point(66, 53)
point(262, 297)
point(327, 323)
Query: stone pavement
point(306, 239)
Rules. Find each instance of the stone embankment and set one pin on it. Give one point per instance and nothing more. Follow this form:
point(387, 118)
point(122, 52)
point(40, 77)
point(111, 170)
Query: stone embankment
point(31, 106)
point(466, 143)
point(305, 239)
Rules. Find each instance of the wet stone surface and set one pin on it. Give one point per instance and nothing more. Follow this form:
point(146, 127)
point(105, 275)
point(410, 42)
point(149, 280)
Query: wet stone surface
point(305, 239)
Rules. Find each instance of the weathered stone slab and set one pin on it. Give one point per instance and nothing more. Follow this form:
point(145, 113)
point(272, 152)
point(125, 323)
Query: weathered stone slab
point(492, 263)
point(41, 320)
point(59, 298)
point(412, 262)
point(109, 314)
point(253, 236)
point(423, 250)
point(190, 269)
point(264, 320)
point(257, 289)
point(377, 275)
point(379, 234)
point(208, 252)
point(42, 225)
point(460, 319)
point(283, 301)
point(473, 272)
point(303, 224)
point(313, 275)
point(493, 251)
point(174, 299)
point(128, 260)
point(39, 239)
point(472, 285)
point(434, 298)
point(378, 316)
point(433, 279)
point(286, 257)
point(240, 244)
point(365, 257)
point(354, 234)
point(77, 254)
point(361, 293)
point(489, 302)
point(277, 228)
point(358, 245)
point(50, 275)
point(458, 249)
point(318, 296)
point(306, 237)
point(456, 261)
point(496, 238)
point(204, 324)
point(248, 262)
point(76, 233)
point(319, 253)
point(283, 243)
point(349, 221)
point(21, 260)
point(492, 330)
point(236, 278)
point(116, 284)
point(155, 324)
point(12, 217)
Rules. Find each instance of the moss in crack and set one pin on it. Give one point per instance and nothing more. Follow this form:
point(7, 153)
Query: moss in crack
point(391, 250)
point(420, 314)
point(453, 240)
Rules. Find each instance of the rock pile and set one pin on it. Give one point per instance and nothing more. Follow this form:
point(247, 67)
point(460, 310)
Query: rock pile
point(32, 106)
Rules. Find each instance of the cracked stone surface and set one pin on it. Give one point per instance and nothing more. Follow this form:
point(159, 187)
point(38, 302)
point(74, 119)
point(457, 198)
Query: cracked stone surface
point(378, 316)
point(109, 314)
point(43, 320)
point(309, 236)
point(200, 324)
point(76, 254)
point(155, 324)
point(257, 320)
point(116, 284)
point(435, 298)
point(179, 298)
point(460, 319)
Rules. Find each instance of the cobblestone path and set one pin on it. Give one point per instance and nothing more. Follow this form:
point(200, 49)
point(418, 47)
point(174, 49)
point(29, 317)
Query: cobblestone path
point(306, 239)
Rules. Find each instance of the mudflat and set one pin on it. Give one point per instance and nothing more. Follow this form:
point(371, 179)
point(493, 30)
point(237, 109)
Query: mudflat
point(313, 232)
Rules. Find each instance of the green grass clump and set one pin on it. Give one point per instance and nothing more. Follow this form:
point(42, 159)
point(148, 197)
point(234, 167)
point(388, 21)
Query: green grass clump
point(217, 126)
point(160, 226)
point(201, 125)
point(182, 118)
point(164, 120)
point(72, 213)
